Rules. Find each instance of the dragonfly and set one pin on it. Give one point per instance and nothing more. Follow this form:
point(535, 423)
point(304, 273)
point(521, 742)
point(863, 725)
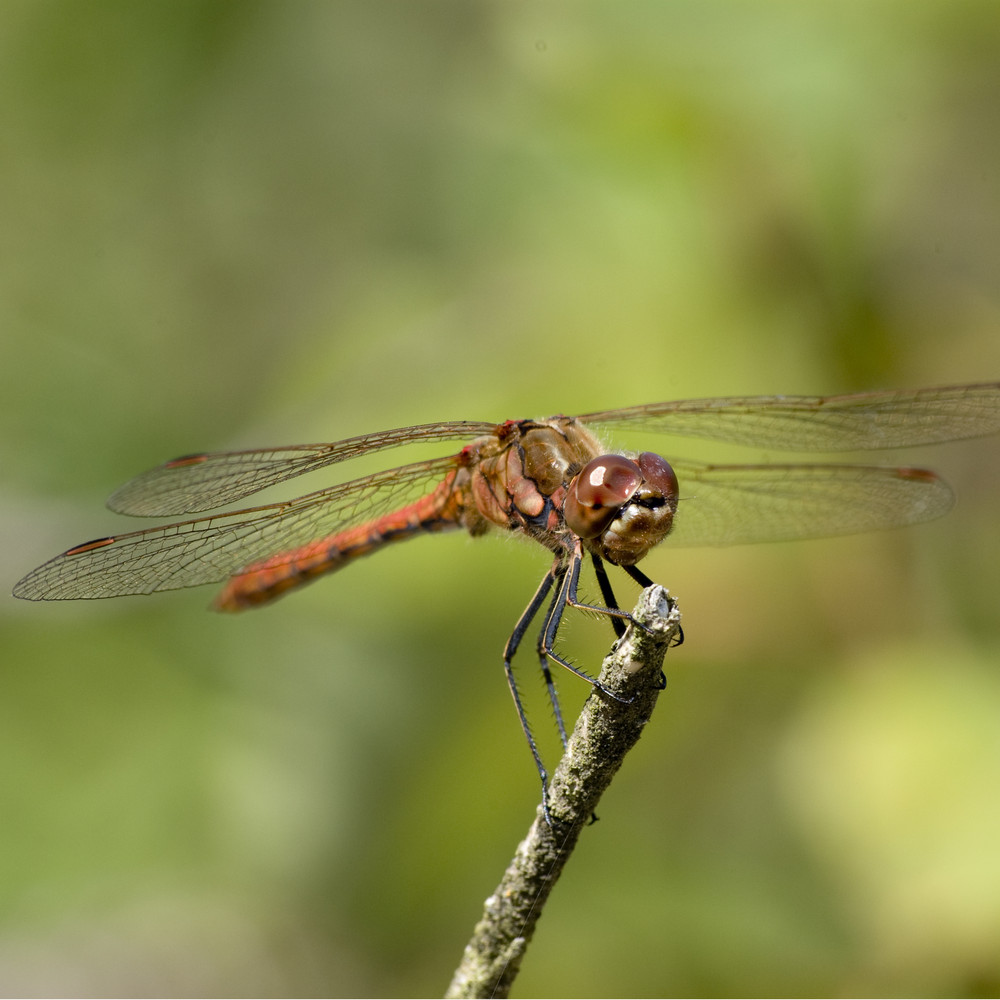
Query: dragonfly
point(550, 480)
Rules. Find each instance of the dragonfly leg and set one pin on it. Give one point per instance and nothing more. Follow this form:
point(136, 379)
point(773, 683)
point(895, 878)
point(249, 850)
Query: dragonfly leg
point(619, 618)
point(566, 594)
point(607, 593)
point(555, 608)
point(557, 572)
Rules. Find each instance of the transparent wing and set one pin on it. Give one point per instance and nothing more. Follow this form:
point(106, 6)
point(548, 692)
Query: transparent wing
point(212, 549)
point(194, 483)
point(860, 421)
point(737, 504)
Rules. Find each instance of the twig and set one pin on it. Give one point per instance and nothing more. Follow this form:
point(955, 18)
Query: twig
point(605, 731)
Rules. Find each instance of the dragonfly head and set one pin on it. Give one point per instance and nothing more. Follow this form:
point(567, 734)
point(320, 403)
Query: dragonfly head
point(622, 507)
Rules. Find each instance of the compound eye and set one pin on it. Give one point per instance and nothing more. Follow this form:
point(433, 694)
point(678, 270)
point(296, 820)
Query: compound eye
point(597, 494)
point(658, 474)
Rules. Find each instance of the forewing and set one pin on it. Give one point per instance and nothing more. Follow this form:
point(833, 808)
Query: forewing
point(855, 422)
point(195, 483)
point(736, 504)
point(211, 549)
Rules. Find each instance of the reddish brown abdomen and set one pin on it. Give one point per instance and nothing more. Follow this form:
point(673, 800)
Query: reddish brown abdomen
point(269, 578)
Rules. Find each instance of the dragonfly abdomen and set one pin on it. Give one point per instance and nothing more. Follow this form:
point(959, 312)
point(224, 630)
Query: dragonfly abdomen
point(269, 578)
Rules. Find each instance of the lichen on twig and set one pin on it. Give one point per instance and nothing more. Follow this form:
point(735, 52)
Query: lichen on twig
point(605, 731)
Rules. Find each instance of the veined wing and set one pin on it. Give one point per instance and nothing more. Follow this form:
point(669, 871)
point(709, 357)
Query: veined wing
point(212, 549)
point(737, 504)
point(860, 421)
point(193, 483)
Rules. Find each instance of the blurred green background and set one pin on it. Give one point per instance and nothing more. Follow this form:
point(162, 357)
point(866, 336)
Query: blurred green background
point(244, 224)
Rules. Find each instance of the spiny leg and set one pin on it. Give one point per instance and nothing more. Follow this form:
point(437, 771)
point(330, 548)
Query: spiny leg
point(566, 594)
point(543, 661)
point(565, 576)
point(557, 572)
point(619, 618)
point(607, 593)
